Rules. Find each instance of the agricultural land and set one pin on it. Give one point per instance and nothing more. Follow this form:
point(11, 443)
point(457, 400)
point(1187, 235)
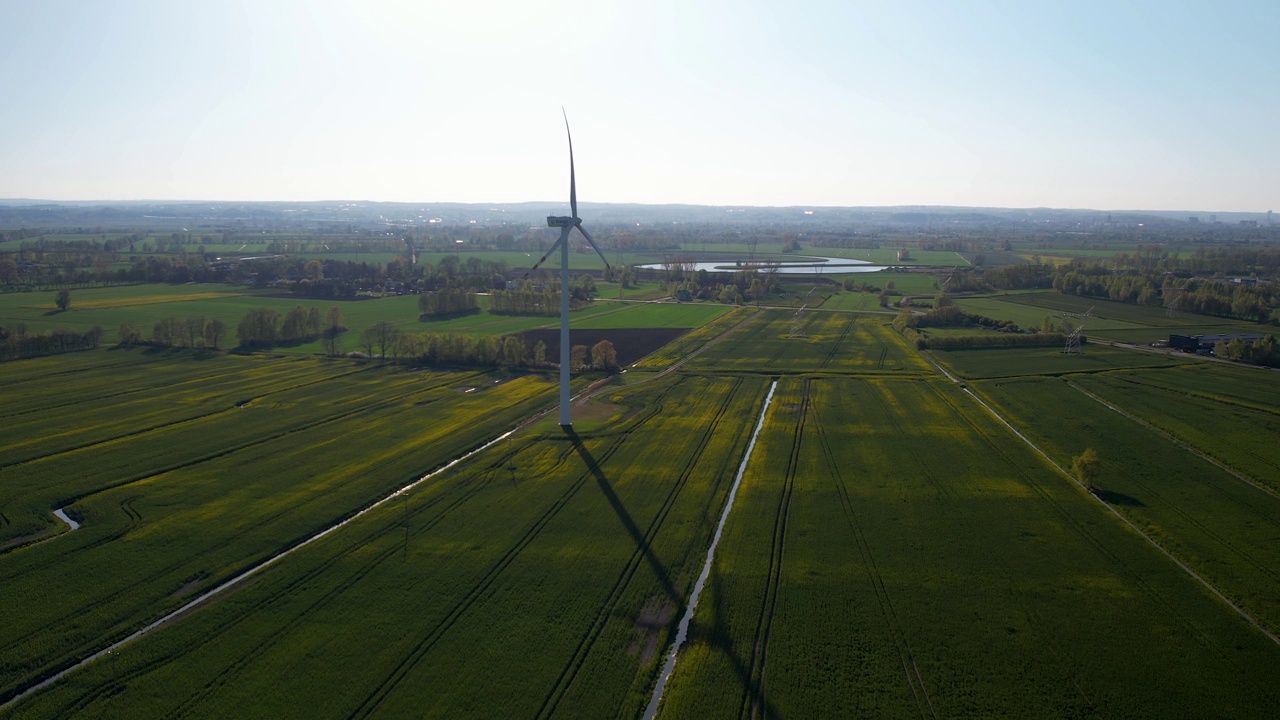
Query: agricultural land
point(780, 496)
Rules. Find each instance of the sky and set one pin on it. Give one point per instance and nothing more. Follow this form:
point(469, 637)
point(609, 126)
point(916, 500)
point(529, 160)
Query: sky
point(1034, 103)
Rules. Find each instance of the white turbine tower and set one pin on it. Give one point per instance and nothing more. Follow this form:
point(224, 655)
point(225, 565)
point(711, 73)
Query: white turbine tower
point(566, 225)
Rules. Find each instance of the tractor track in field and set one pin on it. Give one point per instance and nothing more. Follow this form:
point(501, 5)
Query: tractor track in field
point(284, 593)
point(887, 611)
point(1235, 402)
point(1029, 610)
point(169, 424)
point(569, 673)
point(911, 668)
point(62, 669)
point(753, 699)
point(479, 590)
point(78, 371)
point(844, 333)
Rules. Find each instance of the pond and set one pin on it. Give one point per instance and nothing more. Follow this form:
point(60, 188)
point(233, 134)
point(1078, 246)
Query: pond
point(801, 265)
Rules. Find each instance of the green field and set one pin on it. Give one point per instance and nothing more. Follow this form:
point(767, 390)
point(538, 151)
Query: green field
point(1220, 525)
point(1009, 362)
point(894, 548)
point(1115, 321)
point(825, 341)
point(183, 483)
point(934, 568)
point(481, 575)
point(141, 306)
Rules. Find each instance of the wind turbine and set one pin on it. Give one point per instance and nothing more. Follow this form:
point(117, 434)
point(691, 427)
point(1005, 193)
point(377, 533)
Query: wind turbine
point(566, 225)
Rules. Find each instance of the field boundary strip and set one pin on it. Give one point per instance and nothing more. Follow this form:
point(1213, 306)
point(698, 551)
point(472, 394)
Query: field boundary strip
point(238, 579)
point(753, 697)
point(569, 673)
point(682, 631)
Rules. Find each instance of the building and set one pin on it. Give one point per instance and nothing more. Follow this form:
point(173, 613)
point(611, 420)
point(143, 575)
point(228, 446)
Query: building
point(1203, 344)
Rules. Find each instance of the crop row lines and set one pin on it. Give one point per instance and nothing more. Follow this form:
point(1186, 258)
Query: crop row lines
point(1186, 444)
point(1080, 528)
point(643, 550)
point(470, 488)
point(78, 399)
point(754, 695)
point(161, 571)
point(137, 432)
point(415, 655)
point(885, 603)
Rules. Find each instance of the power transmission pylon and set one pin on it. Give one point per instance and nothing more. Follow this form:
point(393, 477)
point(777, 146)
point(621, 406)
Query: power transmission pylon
point(1073, 335)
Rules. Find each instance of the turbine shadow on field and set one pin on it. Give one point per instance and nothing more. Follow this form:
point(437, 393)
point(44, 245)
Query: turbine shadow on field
point(627, 521)
point(752, 693)
point(714, 636)
point(1112, 497)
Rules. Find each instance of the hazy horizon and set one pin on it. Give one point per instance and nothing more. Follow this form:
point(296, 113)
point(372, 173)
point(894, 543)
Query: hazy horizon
point(984, 105)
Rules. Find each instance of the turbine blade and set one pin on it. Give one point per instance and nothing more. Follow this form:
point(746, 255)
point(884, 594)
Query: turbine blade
point(573, 184)
point(594, 246)
point(545, 255)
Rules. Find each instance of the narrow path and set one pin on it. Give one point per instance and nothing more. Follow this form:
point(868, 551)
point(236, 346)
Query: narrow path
point(682, 631)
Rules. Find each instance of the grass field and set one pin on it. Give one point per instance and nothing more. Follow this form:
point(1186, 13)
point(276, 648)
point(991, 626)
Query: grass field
point(476, 592)
point(1222, 527)
point(831, 342)
point(1009, 362)
point(935, 567)
point(141, 306)
point(894, 549)
point(182, 484)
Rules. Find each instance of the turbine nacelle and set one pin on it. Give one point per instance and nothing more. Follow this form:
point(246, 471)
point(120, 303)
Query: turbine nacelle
point(561, 221)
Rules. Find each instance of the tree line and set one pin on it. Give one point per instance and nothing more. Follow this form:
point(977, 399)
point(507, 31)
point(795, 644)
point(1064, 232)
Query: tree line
point(1261, 352)
point(16, 343)
point(190, 332)
point(386, 341)
point(265, 327)
point(447, 303)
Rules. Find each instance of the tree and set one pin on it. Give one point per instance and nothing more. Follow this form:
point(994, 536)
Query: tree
point(333, 328)
point(63, 300)
point(540, 354)
point(577, 357)
point(386, 334)
point(313, 320)
point(1086, 466)
point(603, 356)
point(214, 332)
point(513, 350)
point(193, 330)
point(368, 338)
